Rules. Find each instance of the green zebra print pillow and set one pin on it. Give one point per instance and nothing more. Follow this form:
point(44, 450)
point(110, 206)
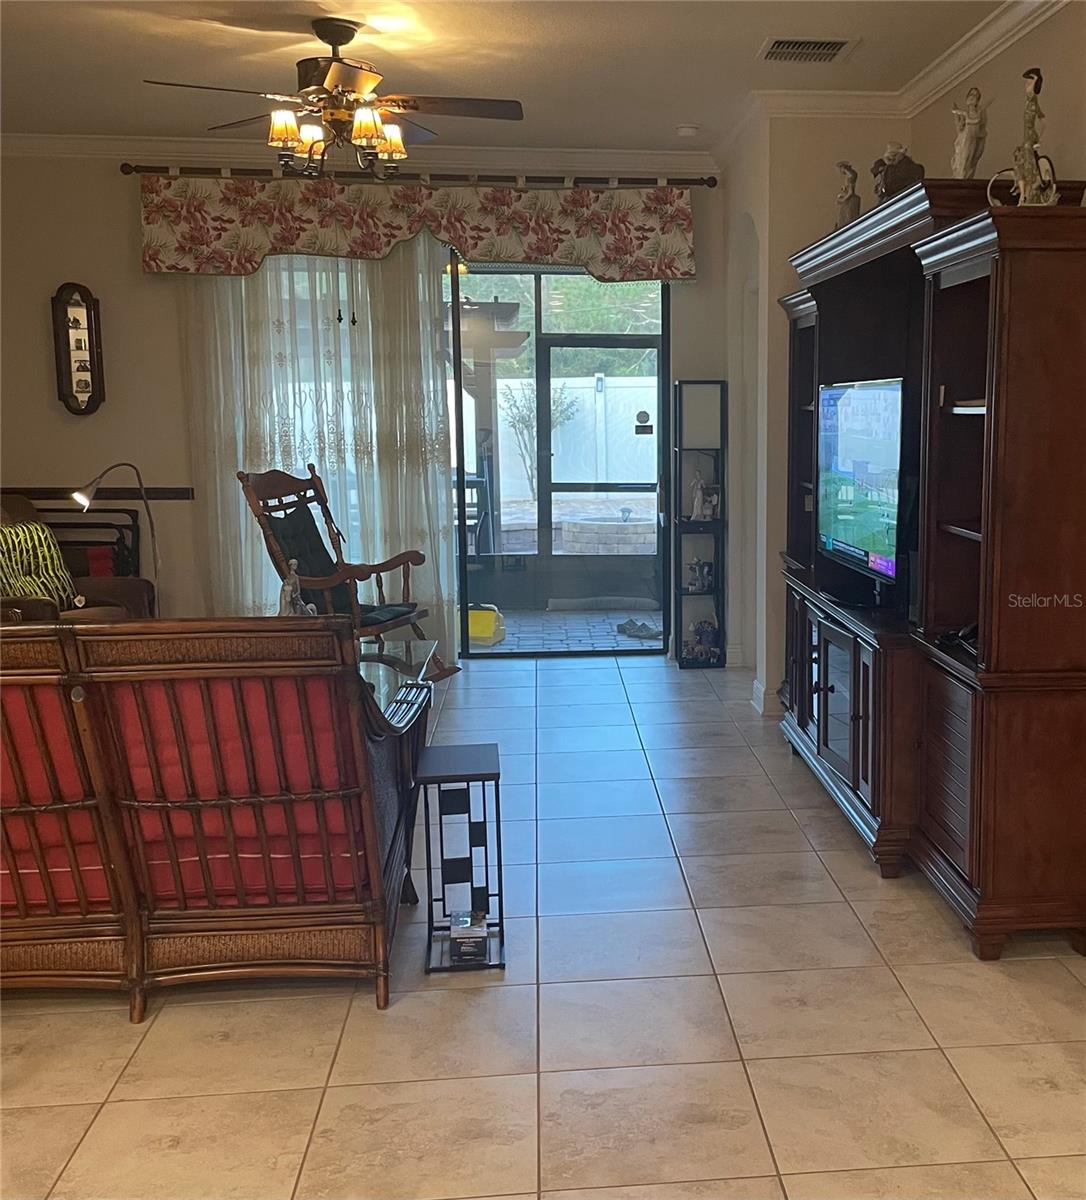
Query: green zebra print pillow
point(31, 565)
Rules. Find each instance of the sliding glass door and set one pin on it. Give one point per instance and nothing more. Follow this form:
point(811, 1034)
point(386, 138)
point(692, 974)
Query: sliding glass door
point(557, 405)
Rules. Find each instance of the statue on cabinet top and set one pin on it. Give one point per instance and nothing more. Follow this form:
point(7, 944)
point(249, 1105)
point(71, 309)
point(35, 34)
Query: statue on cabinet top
point(895, 171)
point(848, 203)
point(1034, 173)
point(971, 123)
point(1031, 134)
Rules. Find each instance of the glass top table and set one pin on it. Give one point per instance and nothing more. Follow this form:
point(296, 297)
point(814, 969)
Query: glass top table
point(398, 667)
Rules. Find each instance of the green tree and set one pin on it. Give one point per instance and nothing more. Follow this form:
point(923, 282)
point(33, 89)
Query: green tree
point(572, 304)
point(519, 409)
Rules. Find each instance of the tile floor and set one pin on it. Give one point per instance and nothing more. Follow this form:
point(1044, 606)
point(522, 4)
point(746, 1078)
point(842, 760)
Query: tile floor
point(531, 632)
point(711, 995)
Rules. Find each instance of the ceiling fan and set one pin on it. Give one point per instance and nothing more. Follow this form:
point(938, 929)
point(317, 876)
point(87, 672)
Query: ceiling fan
point(336, 105)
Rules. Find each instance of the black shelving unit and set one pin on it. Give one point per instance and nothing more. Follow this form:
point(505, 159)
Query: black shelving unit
point(699, 570)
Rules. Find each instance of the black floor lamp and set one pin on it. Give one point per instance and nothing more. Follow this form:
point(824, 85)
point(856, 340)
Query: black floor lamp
point(85, 495)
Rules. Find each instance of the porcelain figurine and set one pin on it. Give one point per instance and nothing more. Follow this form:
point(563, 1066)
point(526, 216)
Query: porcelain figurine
point(291, 603)
point(971, 123)
point(697, 497)
point(1034, 174)
point(848, 202)
point(895, 171)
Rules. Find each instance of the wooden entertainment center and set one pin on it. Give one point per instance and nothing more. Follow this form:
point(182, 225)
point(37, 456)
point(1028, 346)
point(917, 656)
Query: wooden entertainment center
point(945, 711)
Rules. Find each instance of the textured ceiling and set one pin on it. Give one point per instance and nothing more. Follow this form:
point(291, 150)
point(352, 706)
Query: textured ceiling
point(613, 75)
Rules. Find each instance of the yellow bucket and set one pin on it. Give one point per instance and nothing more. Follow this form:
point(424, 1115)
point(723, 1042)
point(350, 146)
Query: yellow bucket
point(486, 626)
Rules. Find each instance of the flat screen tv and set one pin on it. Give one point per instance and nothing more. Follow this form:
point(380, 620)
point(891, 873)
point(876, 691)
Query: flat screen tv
point(859, 461)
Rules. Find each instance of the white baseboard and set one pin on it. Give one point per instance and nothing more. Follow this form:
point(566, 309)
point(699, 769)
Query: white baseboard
point(765, 703)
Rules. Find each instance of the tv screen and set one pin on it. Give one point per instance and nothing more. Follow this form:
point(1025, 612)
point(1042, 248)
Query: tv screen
point(859, 458)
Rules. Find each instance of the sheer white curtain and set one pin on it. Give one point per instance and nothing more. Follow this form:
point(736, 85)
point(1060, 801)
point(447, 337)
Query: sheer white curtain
point(339, 363)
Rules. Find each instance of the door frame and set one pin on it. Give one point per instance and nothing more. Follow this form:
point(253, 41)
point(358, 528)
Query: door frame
point(543, 343)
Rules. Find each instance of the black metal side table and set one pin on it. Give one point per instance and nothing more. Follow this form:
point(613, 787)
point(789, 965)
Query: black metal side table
point(462, 784)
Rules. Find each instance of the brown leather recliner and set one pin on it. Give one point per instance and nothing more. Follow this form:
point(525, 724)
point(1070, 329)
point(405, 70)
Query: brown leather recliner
point(107, 597)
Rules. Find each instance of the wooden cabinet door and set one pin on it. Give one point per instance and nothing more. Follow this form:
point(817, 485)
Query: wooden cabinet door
point(947, 772)
point(864, 717)
point(836, 700)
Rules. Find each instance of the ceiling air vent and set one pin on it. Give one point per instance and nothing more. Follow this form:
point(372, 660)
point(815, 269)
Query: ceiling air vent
point(806, 50)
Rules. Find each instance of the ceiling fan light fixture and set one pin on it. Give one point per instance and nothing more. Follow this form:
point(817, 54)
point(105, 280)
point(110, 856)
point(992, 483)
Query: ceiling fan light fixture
point(367, 130)
point(283, 133)
point(391, 146)
point(310, 141)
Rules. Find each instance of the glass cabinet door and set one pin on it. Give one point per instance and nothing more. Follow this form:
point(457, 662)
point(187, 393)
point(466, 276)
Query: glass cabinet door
point(807, 700)
point(835, 687)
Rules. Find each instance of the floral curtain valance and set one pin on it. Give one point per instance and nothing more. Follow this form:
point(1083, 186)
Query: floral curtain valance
point(227, 226)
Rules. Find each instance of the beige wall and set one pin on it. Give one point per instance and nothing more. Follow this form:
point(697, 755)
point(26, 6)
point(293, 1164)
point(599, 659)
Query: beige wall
point(1058, 47)
point(798, 208)
point(745, 186)
point(699, 350)
point(77, 219)
point(803, 182)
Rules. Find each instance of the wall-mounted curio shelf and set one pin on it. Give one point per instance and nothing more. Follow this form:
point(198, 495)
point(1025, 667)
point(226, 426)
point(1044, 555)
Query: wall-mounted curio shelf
point(77, 340)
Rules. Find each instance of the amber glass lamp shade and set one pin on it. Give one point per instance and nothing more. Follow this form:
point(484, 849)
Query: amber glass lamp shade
point(391, 145)
point(367, 129)
point(283, 131)
point(310, 140)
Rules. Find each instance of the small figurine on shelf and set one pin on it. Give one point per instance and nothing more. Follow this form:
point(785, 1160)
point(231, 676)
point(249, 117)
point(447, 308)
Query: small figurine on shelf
point(75, 323)
point(971, 123)
point(895, 171)
point(703, 646)
point(697, 497)
point(699, 576)
point(848, 203)
point(291, 603)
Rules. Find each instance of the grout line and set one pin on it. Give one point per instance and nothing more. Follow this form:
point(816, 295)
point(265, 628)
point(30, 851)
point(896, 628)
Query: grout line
point(149, 1021)
point(723, 1000)
point(324, 1090)
point(938, 1046)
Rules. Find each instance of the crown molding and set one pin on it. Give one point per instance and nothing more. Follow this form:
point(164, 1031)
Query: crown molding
point(484, 160)
point(1001, 28)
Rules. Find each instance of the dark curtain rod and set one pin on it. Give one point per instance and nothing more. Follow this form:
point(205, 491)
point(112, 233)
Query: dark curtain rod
point(438, 178)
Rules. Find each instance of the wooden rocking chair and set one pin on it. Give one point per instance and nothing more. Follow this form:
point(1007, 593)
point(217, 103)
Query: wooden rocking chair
point(282, 506)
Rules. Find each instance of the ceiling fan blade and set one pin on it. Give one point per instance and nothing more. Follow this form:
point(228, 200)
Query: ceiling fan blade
point(207, 87)
point(413, 133)
point(236, 124)
point(455, 106)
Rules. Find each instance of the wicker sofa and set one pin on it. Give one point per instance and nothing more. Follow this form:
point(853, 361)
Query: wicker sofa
point(188, 800)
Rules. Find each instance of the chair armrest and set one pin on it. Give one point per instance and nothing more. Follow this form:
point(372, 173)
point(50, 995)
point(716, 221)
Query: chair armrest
point(135, 596)
point(360, 572)
point(399, 562)
point(408, 558)
point(29, 608)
